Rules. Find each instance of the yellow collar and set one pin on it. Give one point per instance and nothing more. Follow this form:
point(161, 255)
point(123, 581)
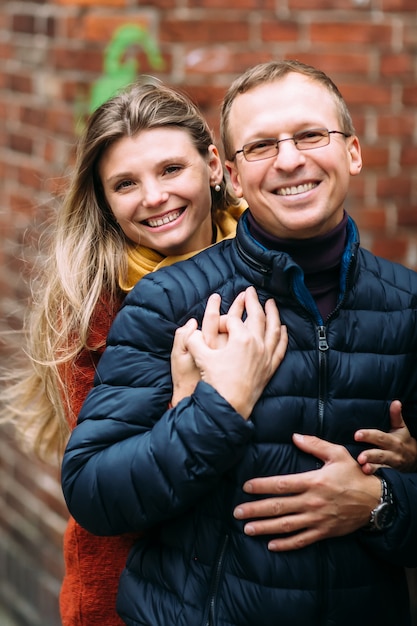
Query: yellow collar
point(142, 260)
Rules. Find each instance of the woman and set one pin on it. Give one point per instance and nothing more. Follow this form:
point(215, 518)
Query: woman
point(147, 190)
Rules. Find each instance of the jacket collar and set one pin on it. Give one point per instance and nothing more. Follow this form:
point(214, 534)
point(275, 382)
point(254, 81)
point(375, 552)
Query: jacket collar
point(277, 272)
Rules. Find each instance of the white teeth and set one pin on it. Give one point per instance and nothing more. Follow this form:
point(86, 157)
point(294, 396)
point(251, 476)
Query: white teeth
point(166, 219)
point(292, 191)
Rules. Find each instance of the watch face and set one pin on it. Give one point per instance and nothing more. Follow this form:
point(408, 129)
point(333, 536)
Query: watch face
point(384, 515)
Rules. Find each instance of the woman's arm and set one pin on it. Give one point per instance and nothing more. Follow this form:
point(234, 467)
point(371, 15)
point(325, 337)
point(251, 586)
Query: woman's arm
point(131, 463)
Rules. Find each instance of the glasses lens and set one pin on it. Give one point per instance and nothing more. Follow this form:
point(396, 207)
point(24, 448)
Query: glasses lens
point(258, 150)
point(314, 138)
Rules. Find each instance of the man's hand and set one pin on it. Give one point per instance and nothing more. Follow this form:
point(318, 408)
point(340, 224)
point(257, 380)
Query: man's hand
point(335, 500)
point(397, 449)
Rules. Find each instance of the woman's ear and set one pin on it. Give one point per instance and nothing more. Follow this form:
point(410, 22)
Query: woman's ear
point(215, 164)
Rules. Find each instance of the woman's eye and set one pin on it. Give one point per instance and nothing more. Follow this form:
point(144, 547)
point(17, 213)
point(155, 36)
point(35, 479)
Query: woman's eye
point(171, 169)
point(124, 184)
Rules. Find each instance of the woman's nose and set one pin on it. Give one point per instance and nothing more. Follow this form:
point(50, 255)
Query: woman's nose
point(154, 195)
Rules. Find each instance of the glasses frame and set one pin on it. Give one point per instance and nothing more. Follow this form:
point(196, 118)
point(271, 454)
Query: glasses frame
point(294, 138)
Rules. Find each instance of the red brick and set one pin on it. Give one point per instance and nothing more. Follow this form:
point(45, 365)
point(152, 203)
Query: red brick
point(394, 248)
point(208, 60)
point(206, 97)
point(31, 177)
point(247, 5)
point(20, 143)
point(374, 156)
point(99, 27)
point(366, 94)
point(320, 4)
point(22, 83)
point(24, 23)
point(410, 35)
point(6, 50)
point(398, 66)
point(237, 62)
point(392, 188)
point(92, 3)
point(407, 216)
point(396, 125)
point(280, 31)
point(356, 190)
point(410, 95)
point(373, 219)
point(157, 4)
point(409, 156)
point(336, 63)
point(204, 30)
point(399, 5)
point(61, 121)
point(350, 32)
point(32, 116)
point(90, 60)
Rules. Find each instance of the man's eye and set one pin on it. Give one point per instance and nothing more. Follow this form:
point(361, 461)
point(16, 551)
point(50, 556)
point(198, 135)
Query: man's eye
point(259, 146)
point(310, 135)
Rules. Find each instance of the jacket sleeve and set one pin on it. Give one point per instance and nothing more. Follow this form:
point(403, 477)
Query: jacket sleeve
point(131, 462)
point(398, 544)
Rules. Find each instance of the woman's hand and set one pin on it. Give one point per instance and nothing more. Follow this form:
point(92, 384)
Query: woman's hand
point(185, 373)
point(236, 357)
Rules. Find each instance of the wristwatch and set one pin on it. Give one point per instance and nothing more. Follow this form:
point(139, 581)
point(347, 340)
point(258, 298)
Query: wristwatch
point(383, 515)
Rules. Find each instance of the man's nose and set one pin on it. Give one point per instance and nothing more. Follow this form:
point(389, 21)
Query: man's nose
point(289, 156)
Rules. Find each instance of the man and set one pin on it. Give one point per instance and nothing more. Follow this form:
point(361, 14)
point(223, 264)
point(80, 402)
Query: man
point(330, 544)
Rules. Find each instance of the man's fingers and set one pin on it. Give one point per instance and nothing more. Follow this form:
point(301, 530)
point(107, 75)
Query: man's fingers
point(319, 448)
point(396, 418)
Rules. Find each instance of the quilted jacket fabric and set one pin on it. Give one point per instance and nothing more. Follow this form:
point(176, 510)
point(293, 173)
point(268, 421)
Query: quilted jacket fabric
point(131, 464)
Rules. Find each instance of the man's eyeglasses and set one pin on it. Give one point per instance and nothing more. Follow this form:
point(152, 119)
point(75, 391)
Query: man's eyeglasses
point(303, 140)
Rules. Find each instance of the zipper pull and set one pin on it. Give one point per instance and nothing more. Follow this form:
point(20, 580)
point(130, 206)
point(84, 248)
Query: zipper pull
point(323, 345)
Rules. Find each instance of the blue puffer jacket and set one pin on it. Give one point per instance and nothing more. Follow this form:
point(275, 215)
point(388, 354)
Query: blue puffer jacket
point(132, 464)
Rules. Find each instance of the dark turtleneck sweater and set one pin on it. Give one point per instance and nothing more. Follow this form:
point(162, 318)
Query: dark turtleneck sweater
point(319, 258)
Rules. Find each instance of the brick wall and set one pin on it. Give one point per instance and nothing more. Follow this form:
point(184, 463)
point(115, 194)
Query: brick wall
point(51, 54)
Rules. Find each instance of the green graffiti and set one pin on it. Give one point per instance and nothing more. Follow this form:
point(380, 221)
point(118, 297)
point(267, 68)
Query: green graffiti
point(118, 73)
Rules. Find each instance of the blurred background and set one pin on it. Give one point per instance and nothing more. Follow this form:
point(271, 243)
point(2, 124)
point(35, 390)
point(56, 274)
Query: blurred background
point(61, 58)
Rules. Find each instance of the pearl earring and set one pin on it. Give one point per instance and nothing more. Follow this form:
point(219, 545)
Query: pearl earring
point(217, 187)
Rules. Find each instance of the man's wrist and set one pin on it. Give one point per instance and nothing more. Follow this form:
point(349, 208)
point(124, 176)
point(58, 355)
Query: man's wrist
point(383, 515)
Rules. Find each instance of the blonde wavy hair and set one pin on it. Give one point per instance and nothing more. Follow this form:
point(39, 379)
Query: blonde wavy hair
point(87, 255)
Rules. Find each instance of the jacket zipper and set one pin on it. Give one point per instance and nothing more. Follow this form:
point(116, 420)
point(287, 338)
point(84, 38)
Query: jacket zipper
point(323, 347)
point(215, 583)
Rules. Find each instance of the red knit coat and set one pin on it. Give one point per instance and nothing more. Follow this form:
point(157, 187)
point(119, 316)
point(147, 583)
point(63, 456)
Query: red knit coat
point(93, 564)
